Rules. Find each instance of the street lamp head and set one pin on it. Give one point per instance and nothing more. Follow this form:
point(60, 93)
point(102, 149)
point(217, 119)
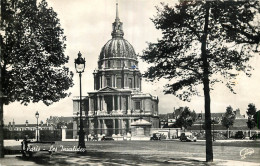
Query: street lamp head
point(37, 114)
point(80, 63)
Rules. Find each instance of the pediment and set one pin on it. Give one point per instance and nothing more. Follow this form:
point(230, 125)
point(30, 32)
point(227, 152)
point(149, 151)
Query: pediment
point(108, 89)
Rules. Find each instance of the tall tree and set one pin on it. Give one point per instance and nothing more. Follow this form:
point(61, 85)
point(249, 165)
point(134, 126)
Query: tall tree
point(257, 119)
point(186, 118)
point(32, 55)
point(201, 41)
point(228, 119)
point(251, 111)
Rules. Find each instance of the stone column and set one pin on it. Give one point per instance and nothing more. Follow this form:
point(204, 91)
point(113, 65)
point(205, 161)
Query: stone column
point(119, 127)
point(126, 81)
point(89, 126)
point(118, 102)
point(104, 127)
point(140, 84)
point(129, 124)
point(134, 81)
point(115, 80)
point(130, 103)
point(102, 103)
point(98, 103)
point(99, 126)
point(89, 105)
point(113, 99)
point(114, 126)
point(100, 82)
point(103, 80)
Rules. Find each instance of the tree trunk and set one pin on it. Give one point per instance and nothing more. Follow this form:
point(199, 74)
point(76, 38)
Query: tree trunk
point(1, 128)
point(249, 132)
point(1, 107)
point(228, 132)
point(209, 149)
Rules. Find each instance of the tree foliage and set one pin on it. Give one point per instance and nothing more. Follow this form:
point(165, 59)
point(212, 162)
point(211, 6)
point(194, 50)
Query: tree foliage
point(228, 118)
point(203, 40)
point(232, 36)
point(257, 119)
point(33, 60)
point(186, 118)
point(251, 111)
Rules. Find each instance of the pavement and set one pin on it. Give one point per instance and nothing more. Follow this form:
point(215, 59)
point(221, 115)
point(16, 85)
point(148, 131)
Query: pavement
point(168, 152)
point(17, 160)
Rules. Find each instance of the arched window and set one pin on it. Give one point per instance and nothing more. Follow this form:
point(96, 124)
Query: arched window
point(130, 82)
point(108, 64)
point(108, 82)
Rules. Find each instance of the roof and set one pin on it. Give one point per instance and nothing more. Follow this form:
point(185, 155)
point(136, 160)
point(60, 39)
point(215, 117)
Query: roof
point(239, 124)
point(166, 116)
point(31, 125)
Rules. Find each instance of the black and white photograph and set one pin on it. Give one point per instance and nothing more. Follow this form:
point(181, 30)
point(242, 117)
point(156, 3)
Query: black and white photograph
point(130, 82)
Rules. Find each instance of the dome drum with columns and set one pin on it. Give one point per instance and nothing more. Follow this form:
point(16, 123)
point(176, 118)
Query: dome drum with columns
point(117, 99)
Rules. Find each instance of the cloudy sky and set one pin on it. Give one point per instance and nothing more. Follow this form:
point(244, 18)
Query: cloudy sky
point(88, 25)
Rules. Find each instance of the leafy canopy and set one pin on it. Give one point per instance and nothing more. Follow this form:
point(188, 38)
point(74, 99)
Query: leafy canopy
point(228, 118)
point(33, 60)
point(186, 117)
point(251, 111)
point(233, 36)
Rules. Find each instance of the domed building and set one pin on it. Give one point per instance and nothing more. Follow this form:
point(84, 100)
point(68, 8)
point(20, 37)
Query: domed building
point(117, 99)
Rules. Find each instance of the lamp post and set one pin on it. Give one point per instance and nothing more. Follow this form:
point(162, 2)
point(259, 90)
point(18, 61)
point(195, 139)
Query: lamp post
point(213, 122)
point(37, 116)
point(200, 118)
point(80, 66)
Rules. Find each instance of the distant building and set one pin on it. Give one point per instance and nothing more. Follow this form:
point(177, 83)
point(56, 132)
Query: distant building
point(168, 120)
point(57, 121)
point(26, 126)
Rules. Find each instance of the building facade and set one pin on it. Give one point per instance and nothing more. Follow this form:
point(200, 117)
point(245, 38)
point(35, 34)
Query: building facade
point(117, 99)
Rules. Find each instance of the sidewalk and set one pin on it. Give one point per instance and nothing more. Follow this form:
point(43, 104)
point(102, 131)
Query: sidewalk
point(75, 159)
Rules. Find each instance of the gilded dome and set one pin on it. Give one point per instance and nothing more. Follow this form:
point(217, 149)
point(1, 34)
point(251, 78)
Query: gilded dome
point(117, 48)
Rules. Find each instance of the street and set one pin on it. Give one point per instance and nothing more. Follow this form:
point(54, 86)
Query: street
point(148, 153)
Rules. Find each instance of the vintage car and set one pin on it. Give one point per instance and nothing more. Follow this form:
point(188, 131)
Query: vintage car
point(255, 136)
point(156, 136)
point(188, 136)
point(239, 135)
point(105, 138)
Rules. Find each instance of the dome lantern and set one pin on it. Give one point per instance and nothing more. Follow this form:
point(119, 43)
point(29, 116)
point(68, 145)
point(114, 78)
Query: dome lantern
point(117, 26)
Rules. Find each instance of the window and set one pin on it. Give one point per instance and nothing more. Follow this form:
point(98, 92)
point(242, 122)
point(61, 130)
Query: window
point(108, 82)
point(118, 83)
point(130, 82)
point(108, 64)
point(118, 63)
point(137, 105)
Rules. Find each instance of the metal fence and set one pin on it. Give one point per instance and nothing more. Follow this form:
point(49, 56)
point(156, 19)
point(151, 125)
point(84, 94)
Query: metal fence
point(17, 135)
point(44, 135)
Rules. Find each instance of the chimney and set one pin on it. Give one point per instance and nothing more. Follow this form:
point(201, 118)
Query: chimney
point(26, 123)
point(41, 123)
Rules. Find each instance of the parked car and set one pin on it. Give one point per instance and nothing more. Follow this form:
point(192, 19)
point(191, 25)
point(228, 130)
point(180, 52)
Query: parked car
point(156, 136)
point(255, 136)
point(188, 136)
point(239, 135)
point(105, 138)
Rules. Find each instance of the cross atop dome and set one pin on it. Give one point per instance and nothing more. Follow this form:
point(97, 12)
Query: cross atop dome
point(117, 26)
